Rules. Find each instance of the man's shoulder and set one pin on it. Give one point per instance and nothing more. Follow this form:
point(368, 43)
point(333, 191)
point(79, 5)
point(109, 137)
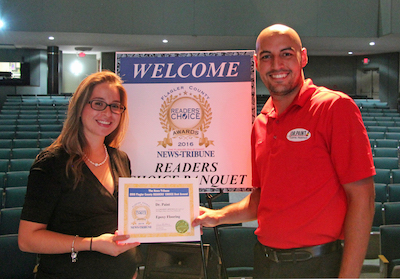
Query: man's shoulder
point(324, 94)
point(325, 98)
point(322, 91)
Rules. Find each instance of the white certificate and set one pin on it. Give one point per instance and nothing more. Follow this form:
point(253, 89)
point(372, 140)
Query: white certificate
point(158, 210)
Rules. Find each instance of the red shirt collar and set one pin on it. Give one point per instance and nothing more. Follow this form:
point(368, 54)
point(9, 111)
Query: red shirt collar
point(301, 98)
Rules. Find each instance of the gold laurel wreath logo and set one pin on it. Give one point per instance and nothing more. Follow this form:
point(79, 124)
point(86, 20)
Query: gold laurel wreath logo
point(135, 217)
point(164, 113)
point(207, 112)
point(163, 117)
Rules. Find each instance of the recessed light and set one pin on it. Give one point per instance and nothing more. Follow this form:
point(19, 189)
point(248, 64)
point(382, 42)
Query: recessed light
point(350, 53)
point(372, 43)
point(165, 41)
point(51, 38)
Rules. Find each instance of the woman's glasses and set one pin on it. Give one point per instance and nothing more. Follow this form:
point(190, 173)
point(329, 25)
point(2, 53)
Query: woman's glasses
point(99, 105)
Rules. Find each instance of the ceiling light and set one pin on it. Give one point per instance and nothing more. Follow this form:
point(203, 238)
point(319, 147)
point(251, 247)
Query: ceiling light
point(1, 23)
point(165, 41)
point(76, 68)
point(51, 38)
point(350, 53)
point(372, 43)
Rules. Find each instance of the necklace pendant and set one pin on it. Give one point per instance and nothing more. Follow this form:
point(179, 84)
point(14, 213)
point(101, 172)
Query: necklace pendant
point(98, 164)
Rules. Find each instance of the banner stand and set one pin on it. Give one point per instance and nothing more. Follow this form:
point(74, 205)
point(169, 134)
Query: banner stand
point(185, 95)
point(211, 197)
point(203, 258)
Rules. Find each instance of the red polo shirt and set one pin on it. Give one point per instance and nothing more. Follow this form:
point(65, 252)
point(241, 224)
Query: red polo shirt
point(300, 160)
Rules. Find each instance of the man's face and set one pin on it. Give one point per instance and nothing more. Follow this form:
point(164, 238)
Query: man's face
point(279, 61)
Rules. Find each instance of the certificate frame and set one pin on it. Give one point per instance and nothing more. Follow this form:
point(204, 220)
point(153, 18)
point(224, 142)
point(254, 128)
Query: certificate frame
point(158, 209)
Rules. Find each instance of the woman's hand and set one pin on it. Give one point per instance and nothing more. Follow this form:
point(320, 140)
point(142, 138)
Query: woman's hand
point(110, 244)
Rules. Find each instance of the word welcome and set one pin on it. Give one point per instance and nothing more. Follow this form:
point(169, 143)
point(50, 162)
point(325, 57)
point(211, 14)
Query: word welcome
point(169, 70)
point(189, 69)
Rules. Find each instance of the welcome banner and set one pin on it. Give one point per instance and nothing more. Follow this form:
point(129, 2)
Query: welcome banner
point(191, 115)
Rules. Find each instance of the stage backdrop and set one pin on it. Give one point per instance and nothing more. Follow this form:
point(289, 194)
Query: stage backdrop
point(191, 115)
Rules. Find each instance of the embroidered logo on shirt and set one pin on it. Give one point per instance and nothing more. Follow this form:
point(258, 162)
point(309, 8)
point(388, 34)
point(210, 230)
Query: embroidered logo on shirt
point(298, 134)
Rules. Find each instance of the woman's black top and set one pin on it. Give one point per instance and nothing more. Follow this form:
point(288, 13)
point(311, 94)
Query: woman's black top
point(88, 210)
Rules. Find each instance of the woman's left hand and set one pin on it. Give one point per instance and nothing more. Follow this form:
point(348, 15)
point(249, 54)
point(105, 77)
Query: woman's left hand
point(110, 244)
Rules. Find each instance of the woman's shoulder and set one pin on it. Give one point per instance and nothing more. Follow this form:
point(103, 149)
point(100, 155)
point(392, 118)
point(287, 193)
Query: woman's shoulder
point(57, 152)
point(116, 152)
point(120, 161)
point(51, 157)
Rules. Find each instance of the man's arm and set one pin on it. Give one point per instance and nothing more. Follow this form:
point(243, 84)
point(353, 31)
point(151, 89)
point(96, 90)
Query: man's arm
point(357, 226)
point(242, 211)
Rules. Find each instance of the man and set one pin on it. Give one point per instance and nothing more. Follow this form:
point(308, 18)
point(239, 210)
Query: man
point(312, 172)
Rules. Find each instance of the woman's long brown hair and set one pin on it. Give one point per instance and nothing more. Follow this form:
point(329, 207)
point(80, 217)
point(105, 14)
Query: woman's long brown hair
point(72, 138)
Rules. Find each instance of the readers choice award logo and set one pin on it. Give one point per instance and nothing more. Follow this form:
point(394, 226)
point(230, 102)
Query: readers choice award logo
point(141, 214)
point(185, 118)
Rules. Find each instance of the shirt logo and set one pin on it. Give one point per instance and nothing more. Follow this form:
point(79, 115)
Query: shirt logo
point(299, 134)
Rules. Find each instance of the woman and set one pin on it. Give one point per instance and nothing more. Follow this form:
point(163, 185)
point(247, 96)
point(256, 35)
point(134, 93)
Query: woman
point(70, 211)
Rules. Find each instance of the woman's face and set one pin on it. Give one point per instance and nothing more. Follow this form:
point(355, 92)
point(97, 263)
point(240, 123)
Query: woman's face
point(101, 123)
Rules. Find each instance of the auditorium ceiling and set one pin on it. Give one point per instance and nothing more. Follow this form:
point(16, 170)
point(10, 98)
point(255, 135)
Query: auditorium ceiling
point(67, 42)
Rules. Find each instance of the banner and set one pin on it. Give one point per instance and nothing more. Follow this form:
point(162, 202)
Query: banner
point(191, 115)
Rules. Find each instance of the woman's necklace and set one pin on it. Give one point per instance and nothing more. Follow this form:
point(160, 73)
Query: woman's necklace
point(98, 164)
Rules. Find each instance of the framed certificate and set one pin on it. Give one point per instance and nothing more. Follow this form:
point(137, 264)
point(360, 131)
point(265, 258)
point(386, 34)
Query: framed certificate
point(158, 210)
